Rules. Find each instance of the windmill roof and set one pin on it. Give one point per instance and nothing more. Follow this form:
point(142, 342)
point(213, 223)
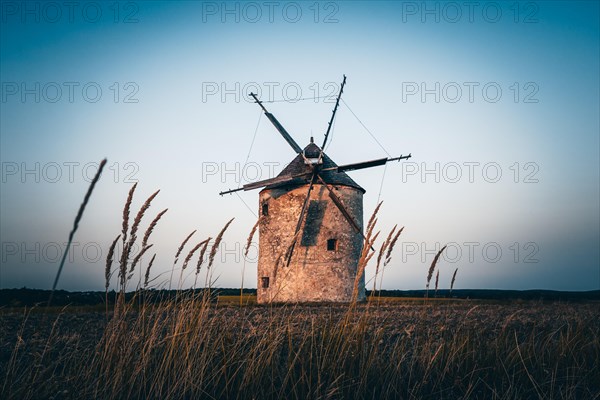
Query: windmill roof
point(297, 166)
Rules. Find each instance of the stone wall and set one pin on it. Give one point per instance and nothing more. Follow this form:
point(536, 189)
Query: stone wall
point(315, 274)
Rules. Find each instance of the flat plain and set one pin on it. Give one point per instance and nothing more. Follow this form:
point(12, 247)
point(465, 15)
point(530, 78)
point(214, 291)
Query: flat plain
point(193, 347)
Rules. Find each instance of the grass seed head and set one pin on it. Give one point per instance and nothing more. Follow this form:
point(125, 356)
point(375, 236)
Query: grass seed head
point(191, 253)
point(152, 226)
point(201, 257)
point(214, 248)
point(126, 211)
point(250, 236)
point(388, 256)
point(433, 264)
point(138, 257)
point(453, 279)
point(147, 275)
point(372, 219)
point(182, 245)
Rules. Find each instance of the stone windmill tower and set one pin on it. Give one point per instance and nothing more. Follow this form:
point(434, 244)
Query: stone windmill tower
point(311, 225)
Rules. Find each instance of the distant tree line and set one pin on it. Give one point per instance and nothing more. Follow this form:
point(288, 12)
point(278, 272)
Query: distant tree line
point(32, 297)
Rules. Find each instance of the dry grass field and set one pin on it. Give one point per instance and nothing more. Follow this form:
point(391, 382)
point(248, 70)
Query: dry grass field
point(196, 348)
point(198, 345)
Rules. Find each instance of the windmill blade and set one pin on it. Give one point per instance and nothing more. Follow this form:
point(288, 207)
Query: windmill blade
point(299, 224)
point(361, 165)
point(288, 138)
point(337, 103)
point(280, 180)
point(366, 164)
point(338, 202)
point(284, 133)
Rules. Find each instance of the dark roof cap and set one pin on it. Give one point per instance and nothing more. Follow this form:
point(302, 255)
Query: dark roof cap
point(298, 167)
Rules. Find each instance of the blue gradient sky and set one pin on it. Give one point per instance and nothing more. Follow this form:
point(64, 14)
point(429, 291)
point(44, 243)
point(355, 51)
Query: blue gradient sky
point(542, 213)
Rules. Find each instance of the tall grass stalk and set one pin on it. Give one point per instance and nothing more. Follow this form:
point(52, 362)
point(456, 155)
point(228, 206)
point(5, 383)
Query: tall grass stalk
point(388, 255)
point(246, 250)
point(366, 254)
point(133, 232)
point(152, 226)
point(188, 258)
point(75, 226)
point(108, 268)
point(432, 268)
point(179, 250)
point(147, 274)
point(452, 282)
point(213, 253)
point(124, 232)
point(382, 250)
point(201, 259)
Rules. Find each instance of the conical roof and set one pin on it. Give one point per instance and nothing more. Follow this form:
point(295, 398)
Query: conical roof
point(298, 167)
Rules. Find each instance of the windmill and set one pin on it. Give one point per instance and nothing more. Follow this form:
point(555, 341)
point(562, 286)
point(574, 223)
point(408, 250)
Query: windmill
point(311, 224)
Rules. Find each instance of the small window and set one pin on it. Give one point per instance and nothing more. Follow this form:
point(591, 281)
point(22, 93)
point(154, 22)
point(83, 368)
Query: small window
point(265, 209)
point(264, 282)
point(332, 244)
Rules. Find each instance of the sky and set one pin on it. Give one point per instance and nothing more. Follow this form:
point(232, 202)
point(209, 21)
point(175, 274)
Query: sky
point(496, 101)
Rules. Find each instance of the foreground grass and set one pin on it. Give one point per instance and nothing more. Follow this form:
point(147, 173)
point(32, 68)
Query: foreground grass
point(193, 349)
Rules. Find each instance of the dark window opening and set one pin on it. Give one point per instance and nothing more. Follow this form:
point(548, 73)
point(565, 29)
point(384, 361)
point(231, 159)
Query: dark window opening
point(264, 282)
point(332, 244)
point(265, 209)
